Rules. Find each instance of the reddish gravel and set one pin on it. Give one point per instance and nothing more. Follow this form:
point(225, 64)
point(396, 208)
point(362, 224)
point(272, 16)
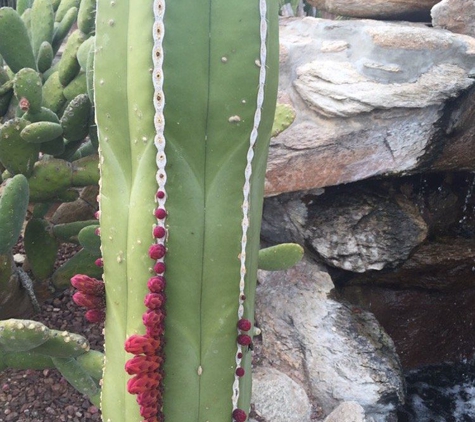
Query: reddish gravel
point(45, 396)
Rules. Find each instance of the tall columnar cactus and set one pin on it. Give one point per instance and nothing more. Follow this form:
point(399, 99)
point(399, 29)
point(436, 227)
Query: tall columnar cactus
point(185, 95)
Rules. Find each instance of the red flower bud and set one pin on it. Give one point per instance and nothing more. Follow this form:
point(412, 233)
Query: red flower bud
point(244, 324)
point(88, 285)
point(140, 383)
point(153, 318)
point(138, 345)
point(157, 251)
point(99, 262)
point(88, 301)
point(244, 340)
point(154, 300)
point(239, 415)
point(160, 194)
point(156, 284)
point(159, 267)
point(240, 372)
point(149, 398)
point(160, 213)
point(95, 315)
point(159, 232)
point(140, 364)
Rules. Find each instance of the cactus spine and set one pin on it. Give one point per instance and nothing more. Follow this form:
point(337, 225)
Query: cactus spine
point(216, 64)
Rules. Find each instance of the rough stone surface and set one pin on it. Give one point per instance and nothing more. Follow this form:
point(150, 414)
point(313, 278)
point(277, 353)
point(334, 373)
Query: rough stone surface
point(426, 305)
point(350, 228)
point(455, 15)
point(277, 398)
point(339, 355)
point(349, 411)
point(377, 9)
point(368, 101)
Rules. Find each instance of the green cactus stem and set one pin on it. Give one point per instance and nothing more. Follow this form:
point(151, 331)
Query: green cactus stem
point(220, 89)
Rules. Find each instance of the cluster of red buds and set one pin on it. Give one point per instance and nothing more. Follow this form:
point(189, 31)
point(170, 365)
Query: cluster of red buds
point(91, 295)
point(147, 364)
point(243, 325)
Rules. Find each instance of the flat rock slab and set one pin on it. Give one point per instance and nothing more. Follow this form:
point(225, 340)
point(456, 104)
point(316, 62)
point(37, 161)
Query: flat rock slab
point(455, 15)
point(370, 98)
point(377, 9)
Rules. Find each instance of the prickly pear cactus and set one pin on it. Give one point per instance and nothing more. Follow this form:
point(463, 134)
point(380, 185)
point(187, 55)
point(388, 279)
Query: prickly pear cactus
point(185, 95)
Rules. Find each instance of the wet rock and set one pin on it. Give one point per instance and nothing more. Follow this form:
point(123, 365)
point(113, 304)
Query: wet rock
point(455, 15)
point(348, 411)
point(367, 101)
point(377, 9)
point(350, 228)
point(277, 398)
point(338, 355)
point(426, 305)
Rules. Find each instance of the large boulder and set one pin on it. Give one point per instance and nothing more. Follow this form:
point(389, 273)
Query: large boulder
point(337, 354)
point(455, 15)
point(371, 98)
point(377, 9)
point(352, 228)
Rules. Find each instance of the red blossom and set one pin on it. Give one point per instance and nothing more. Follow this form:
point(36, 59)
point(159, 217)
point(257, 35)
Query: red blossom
point(157, 251)
point(140, 383)
point(139, 345)
point(156, 284)
point(88, 301)
point(154, 300)
point(141, 363)
point(159, 267)
point(88, 285)
point(244, 340)
point(95, 315)
point(239, 415)
point(244, 324)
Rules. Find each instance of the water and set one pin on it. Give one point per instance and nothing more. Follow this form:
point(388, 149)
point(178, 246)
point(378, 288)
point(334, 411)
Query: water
point(444, 393)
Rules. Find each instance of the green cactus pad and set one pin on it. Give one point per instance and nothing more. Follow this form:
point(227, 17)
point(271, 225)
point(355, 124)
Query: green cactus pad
point(280, 257)
point(56, 4)
point(45, 57)
point(69, 65)
point(48, 178)
point(40, 132)
point(22, 335)
point(16, 155)
point(53, 97)
point(86, 149)
point(22, 5)
point(62, 30)
point(64, 7)
point(83, 52)
point(55, 147)
point(90, 240)
point(284, 117)
point(15, 47)
point(6, 87)
point(13, 205)
point(87, 16)
point(76, 87)
point(27, 84)
point(81, 263)
point(76, 375)
point(75, 119)
point(68, 195)
point(44, 115)
point(92, 362)
point(68, 232)
point(40, 209)
point(26, 360)
point(63, 344)
point(85, 171)
point(42, 24)
point(5, 100)
point(41, 248)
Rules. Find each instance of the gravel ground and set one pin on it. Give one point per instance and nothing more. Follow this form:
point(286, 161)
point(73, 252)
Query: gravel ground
point(45, 396)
